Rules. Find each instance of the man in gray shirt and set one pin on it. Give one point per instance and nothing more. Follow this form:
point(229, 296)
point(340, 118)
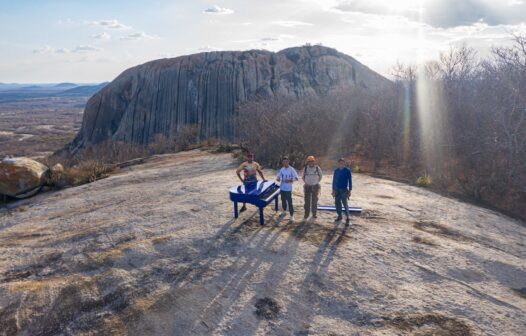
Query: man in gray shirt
point(312, 175)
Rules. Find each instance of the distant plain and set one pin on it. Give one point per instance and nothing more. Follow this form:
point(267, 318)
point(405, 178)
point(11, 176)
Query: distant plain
point(37, 127)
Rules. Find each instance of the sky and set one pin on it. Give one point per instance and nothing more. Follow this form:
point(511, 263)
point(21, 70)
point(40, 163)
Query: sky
point(94, 41)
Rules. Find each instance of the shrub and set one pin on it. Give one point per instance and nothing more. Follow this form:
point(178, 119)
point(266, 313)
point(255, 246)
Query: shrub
point(88, 171)
point(161, 145)
point(240, 155)
point(84, 172)
point(226, 148)
point(212, 142)
point(185, 137)
point(424, 181)
point(357, 169)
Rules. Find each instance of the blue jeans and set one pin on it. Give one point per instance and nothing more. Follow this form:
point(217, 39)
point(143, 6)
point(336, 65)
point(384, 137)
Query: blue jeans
point(250, 180)
point(341, 199)
point(250, 183)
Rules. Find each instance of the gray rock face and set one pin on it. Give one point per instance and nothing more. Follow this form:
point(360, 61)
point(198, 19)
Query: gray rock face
point(204, 89)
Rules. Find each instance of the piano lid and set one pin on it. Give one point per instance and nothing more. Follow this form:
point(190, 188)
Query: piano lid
point(255, 190)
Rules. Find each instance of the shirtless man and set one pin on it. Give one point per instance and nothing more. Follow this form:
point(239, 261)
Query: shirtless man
point(250, 170)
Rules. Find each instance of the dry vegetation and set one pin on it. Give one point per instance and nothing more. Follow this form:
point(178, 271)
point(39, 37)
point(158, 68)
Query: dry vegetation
point(457, 125)
point(98, 161)
point(115, 152)
point(84, 172)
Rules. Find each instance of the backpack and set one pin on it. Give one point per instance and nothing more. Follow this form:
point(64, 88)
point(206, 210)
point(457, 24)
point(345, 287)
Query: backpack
point(317, 170)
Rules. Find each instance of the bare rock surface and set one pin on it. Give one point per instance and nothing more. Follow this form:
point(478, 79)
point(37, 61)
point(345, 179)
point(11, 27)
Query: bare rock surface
point(21, 177)
point(161, 96)
point(154, 250)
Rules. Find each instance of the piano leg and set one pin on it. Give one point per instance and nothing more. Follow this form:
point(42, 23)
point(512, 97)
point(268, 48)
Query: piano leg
point(261, 218)
point(236, 213)
point(276, 203)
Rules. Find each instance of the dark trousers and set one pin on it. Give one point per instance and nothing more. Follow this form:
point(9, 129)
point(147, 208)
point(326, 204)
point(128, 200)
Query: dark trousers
point(311, 199)
point(286, 199)
point(341, 199)
point(250, 183)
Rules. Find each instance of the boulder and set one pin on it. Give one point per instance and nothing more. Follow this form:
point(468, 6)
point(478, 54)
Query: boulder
point(57, 169)
point(21, 177)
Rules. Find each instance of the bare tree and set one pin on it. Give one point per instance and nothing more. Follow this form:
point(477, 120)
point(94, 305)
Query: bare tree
point(480, 106)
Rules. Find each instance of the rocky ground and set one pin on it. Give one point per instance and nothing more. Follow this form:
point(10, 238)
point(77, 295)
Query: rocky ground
point(153, 249)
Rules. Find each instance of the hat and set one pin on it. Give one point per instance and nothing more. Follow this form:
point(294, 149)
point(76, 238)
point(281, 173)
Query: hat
point(341, 160)
point(284, 158)
point(311, 158)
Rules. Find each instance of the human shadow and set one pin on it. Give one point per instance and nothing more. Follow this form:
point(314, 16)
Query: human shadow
point(275, 274)
point(239, 280)
point(308, 298)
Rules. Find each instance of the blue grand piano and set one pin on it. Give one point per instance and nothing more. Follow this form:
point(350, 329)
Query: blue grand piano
point(260, 195)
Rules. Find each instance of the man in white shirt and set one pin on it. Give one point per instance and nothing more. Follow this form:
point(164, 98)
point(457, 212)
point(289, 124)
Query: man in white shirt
point(286, 176)
point(312, 175)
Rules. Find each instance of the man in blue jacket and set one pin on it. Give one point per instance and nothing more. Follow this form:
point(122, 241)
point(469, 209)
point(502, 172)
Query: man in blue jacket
point(341, 189)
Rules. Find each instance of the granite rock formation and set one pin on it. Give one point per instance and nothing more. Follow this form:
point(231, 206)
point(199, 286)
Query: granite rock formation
point(204, 89)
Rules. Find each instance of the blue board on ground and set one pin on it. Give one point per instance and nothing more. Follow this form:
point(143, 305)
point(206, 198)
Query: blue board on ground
point(333, 208)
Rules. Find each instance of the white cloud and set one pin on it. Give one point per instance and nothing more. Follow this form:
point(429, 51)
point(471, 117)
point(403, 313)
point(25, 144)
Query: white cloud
point(101, 36)
point(218, 10)
point(272, 42)
point(109, 24)
point(85, 48)
point(207, 49)
point(441, 13)
point(265, 41)
point(44, 50)
point(62, 51)
point(291, 23)
point(139, 36)
point(78, 49)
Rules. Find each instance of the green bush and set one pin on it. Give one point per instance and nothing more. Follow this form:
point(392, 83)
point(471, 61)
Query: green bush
point(357, 169)
point(424, 181)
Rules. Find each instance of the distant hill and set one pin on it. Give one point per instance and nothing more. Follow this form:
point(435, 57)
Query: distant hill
point(65, 85)
point(33, 87)
point(84, 90)
point(13, 92)
point(9, 86)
